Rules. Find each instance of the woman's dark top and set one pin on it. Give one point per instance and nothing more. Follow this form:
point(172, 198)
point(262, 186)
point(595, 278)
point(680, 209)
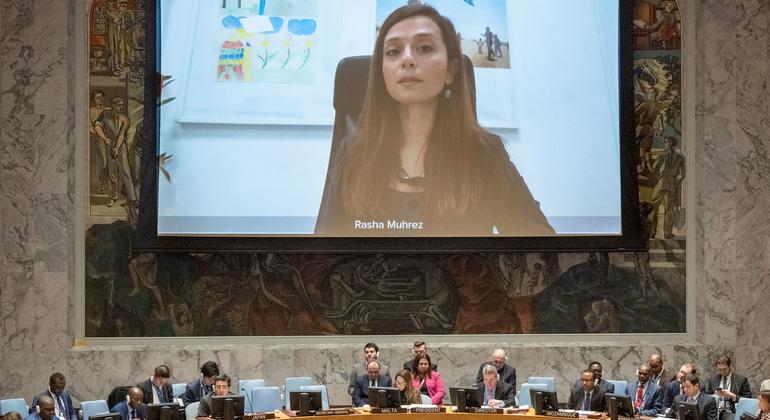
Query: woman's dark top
point(518, 215)
point(424, 388)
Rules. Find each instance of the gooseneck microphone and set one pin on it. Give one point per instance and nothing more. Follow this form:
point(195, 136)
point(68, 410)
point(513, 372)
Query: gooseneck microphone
point(248, 399)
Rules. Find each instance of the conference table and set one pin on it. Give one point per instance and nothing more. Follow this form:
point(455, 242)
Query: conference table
point(444, 412)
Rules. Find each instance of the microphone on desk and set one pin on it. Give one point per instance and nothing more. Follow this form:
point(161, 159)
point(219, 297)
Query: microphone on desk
point(248, 398)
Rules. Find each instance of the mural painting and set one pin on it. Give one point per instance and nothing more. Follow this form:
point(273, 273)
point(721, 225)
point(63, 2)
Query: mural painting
point(174, 294)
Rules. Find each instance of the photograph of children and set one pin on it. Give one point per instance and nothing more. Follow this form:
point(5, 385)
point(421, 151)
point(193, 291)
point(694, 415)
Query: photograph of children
point(482, 27)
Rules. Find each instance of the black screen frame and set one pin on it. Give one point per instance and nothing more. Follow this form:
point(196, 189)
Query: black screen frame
point(392, 396)
point(537, 399)
point(146, 239)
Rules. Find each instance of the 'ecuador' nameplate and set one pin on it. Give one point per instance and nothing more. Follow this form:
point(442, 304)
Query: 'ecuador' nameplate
point(486, 410)
point(559, 413)
point(390, 410)
point(431, 410)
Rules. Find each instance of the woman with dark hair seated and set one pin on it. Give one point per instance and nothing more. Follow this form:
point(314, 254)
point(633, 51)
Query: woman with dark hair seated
point(426, 380)
point(418, 162)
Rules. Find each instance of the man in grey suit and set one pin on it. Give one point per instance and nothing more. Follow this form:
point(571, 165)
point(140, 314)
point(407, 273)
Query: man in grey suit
point(707, 405)
point(660, 375)
point(728, 386)
point(372, 378)
point(221, 388)
point(646, 396)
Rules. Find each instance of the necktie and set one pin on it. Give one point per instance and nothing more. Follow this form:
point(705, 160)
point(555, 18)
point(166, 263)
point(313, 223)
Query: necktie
point(490, 395)
point(133, 414)
point(639, 396)
point(62, 407)
point(372, 383)
point(587, 401)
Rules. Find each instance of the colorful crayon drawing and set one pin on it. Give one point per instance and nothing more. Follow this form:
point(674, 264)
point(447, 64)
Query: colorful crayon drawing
point(269, 42)
point(231, 61)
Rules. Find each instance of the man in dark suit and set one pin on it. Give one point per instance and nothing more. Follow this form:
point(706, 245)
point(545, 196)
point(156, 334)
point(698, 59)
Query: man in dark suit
point(133, 408)
point(728, 386)
point(61, 398)
point(588, 397)
point(660, 375)
point(157, 389)
point(492, 391)
point(419, 348)
point(598, 370)
point(371, 352)
point(506, 373)
point(372, 378)
point(221, 388)
point(646, 396)
point(201, 386)
point(675, 388)
point(707, 405)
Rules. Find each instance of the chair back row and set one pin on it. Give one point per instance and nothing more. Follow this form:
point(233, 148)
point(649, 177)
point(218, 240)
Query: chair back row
point(18, 405)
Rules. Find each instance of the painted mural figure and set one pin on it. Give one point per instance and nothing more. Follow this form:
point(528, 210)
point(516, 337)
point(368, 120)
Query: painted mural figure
point(116, 38)
point(671, 172)
point(601, 318)
point(666, 27)
point(642, 259)
point(112, 127)
point(102, 143)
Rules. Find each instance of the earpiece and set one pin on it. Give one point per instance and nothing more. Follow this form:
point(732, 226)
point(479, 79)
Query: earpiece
point(128, 399)
point(37, 409)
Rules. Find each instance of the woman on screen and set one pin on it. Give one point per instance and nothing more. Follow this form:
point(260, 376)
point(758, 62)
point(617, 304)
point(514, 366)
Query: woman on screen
point(418, 163)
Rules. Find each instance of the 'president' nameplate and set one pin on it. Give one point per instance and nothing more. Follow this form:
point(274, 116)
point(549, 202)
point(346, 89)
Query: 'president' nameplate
point(431, 410)
point(557, 413)
point(486, 410)
point(390, 410)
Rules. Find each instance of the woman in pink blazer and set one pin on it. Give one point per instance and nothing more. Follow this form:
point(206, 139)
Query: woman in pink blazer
point(426, 380)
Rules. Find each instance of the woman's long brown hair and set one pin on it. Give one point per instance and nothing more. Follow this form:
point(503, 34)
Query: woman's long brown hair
point(464, 171)
point(412, 394)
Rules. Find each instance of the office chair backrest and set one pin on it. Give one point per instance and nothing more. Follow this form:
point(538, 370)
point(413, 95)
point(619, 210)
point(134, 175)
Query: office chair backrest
point(18, 405)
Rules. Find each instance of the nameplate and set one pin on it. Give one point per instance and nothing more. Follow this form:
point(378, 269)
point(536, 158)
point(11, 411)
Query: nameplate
point(391, 410)
point(333, 412)
point(568, 414)
point(259, 416)
point(486, 410)
point(431, 410)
